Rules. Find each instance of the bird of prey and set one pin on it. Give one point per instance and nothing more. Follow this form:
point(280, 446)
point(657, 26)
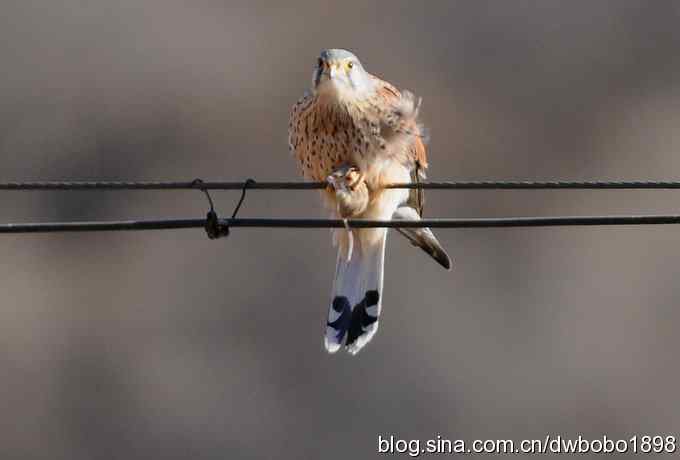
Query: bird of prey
point(359, 133)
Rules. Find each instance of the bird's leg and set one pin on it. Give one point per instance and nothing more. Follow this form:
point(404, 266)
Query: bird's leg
point(350, 236)
point(336, 184)
point(350, 239)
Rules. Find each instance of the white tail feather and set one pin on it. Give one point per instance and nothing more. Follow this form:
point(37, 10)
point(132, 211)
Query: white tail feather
point(357, 292)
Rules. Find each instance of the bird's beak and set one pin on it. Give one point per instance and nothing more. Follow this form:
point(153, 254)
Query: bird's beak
point(333, 70)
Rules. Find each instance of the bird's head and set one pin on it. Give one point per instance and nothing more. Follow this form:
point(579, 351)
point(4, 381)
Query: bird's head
point(339, 73)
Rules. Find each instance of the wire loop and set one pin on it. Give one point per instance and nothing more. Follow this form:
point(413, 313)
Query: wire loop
point(246, 184)
point(213, 227)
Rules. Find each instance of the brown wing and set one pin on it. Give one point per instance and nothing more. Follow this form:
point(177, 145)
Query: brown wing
point(399, 112)
point(297, 139)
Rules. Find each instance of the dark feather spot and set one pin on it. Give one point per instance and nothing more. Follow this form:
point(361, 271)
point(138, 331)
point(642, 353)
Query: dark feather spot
point(360, 318)
point(353, 321)
point(341, 325)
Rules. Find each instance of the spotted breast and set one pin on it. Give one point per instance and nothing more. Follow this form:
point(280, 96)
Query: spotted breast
point(324, 137)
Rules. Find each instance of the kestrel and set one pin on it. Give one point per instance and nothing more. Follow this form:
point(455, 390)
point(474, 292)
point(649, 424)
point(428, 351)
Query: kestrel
point(359, 133)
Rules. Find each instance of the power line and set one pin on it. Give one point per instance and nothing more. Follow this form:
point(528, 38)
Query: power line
point(254, 185)
point(494, 222)
point(216, 227)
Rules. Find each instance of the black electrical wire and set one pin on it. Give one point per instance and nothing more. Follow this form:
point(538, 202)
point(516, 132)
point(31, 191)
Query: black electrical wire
point(167, 224)
point(254, 185)
point(212, 222)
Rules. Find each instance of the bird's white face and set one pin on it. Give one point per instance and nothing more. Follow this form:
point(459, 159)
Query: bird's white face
point(339, 73)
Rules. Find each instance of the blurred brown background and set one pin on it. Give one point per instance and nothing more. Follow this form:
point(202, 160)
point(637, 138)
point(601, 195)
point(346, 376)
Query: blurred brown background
point(167, 345)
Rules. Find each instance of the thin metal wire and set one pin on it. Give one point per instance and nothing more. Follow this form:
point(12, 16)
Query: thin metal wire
point(246, 184)
point(254, 185)
point(167, 224)
point(163, 224)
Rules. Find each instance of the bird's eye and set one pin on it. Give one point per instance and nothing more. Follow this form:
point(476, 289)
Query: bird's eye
point(350, 64)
